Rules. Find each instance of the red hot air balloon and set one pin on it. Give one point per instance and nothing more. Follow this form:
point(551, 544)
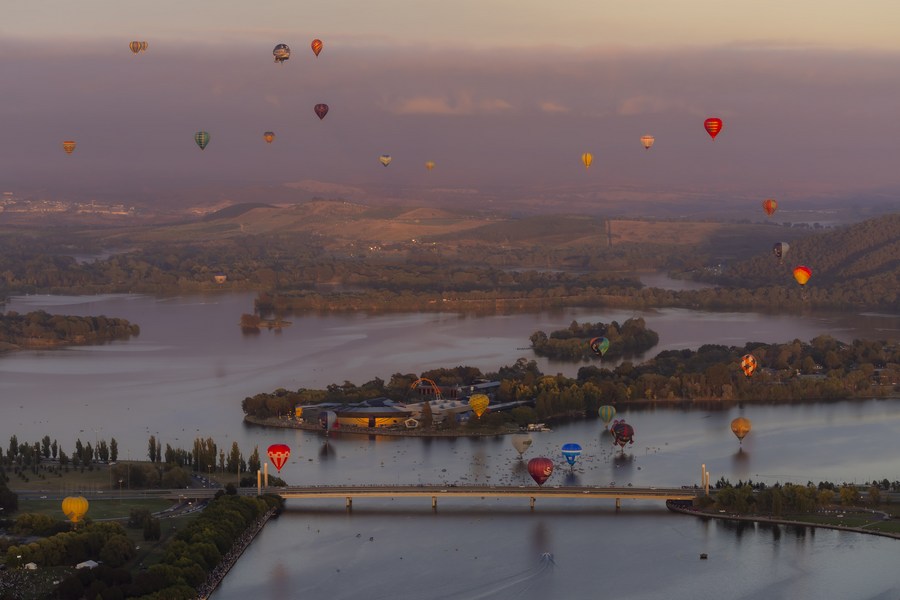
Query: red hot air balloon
point(713, 126)
point(623, 433)
point(770, 206)
point(321, 110)
point(540, 469)
point(316, 46)
point(279, 454)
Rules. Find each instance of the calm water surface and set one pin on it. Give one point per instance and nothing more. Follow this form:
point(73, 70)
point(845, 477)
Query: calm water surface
point(191, 366)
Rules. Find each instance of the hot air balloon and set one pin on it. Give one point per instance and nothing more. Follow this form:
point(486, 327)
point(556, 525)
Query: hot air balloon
point(748, 364)
point(623, 433)
point(279, 455)
point(479, 404)
point(780, 249)
point(385, 159)
point(571, 452)
point(75, 507)
point(135, 47)
point(802, 274)
point(540, 469)
point(587, 158)
point(269, 136)
point(144, 46)
point(647, 141)
point(321, 110)
point(69, 146)
point(429, 165)
point(599, 345)
point(713, 126)
point(521, 442)
point(740, 427)
point(281, 53)
point(769, 206)
point(202, 139)
point(316, 46)
point(607, 413)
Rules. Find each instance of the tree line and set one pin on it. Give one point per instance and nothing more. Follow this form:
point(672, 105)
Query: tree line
point(573, 343)
point(40, 329)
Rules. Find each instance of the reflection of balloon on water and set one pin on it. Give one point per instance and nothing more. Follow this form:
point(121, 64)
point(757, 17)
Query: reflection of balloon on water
point(69, 146)
point(279, 454)
point(647, 141)
point(587, 158)
point(769, 206)
point(479, 403)
point(521, 442)
point(321, 110)
point(75, 507)
point(780, 249)
point(748, 364)
point(802, 274)
point(540, 469)
point(571, 452)
point(599, 345)
point(202, 139)
point(385, 159)
point(623, 433)
point(713, 126)
point(740, 427)
point(269, 136)
point(606, 413)
point(282, 52)
point(316, 46)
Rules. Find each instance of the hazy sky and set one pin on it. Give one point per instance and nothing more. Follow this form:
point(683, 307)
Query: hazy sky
point(498, 93)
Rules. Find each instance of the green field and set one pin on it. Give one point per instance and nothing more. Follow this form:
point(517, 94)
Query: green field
point(112, 508)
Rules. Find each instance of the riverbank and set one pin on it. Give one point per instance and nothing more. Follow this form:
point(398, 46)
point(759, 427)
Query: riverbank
point(216, 576)
point(291, 424)
point(795, 522)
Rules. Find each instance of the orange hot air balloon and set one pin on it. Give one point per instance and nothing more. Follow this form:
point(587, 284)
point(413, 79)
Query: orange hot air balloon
point(75, 507)
point(279, 454)
point(647, 141)
point(769, 206)
point(144, 46)
point(69, 146)
point(748, 364)
point(802, 274)
point(135, 47)
point(269, 136)
point(316, 46)
point(479, 404)
point(740, 427)
point(587, 158)
point(713, 126)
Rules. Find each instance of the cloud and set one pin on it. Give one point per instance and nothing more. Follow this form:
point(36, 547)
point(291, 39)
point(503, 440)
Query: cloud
point(463, 104)
point(553, 107)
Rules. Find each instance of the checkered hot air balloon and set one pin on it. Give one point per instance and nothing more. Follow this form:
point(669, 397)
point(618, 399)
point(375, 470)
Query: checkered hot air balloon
point(748, 364)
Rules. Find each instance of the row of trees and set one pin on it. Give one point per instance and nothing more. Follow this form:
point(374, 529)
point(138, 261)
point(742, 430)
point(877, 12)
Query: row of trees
point(40, 328)
point(628, 339)
point(29, 455)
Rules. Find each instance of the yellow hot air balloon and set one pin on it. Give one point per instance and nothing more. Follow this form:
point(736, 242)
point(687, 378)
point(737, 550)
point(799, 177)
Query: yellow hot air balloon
point(385, 159)
point(269, 136)
point(802, 274)
point(479, 403)
point(740, 427)
point(587, 158)
point(429, 165)
point(75, 507)
point(69, 146)
point(647, 141)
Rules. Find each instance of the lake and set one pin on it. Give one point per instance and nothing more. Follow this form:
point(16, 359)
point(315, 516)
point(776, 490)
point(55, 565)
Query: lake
point(188, 371)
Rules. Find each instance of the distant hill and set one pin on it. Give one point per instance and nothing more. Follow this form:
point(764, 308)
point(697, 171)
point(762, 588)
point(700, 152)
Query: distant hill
point(235, 210)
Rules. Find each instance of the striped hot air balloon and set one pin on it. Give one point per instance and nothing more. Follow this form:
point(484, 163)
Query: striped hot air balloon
point(144, 46)
point(647, 141)
point(748, 364)
point(202, 139)
point(713, 126)
point(385, 159)
point(316, 46)
point(69, 146)
point(607, 413)
point(135, 47)
point(587, 158)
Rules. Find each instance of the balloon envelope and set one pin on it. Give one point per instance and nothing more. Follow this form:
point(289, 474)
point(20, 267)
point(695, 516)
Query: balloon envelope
point(571, 452)
point(321, 110)
point(202, 139)
point(69, 146)
point(587, 158)
point(429, 165)
point(135, 47)
point(770, 206)
point(540, 469)
point(281, 53)
point(740, 427)
point(623, 433)
point(647, 141)
point(780, 249)
point(75, 507)
point(385, 159)
point(279, 454)
point(607, 413)
point(479, 403)
point(748, 364)
point(521, 442)
point(599, 345)
point(269, 136)
point(802, 274)
point(713, 126)
point(144, 46)
point(316, 46)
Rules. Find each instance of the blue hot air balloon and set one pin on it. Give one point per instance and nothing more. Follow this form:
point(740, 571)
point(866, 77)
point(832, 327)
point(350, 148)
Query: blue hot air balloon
point(571, 452)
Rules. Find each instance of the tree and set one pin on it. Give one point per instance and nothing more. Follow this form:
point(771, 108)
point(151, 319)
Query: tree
point(253, 462)
point(427, 415)
point(151, 448)
point(117, 551)
point(113, 450)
